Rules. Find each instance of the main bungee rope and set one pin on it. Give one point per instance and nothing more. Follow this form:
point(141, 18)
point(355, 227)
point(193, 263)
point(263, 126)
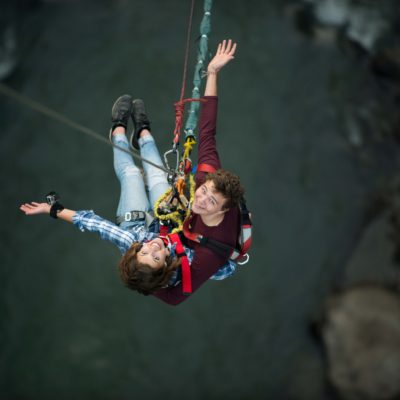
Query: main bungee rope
point(180, 104)
point(191, 122)
point(173, 206)
point(205, 29)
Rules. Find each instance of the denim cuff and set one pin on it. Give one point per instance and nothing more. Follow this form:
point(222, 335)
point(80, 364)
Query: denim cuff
point(146, 139)
point(120, 137)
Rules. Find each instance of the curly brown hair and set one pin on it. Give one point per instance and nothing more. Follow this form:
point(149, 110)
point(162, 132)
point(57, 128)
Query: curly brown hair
point(228, 184)
point(141, 277)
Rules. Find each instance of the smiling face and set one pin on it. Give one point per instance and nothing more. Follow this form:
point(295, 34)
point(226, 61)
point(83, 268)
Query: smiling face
point(207, 201)
point(153, 254)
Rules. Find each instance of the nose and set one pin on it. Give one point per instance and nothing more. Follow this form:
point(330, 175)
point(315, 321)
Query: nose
point(202, 199)
point(155, 252)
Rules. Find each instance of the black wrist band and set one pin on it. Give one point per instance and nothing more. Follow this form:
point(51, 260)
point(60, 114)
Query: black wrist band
point(55, 209)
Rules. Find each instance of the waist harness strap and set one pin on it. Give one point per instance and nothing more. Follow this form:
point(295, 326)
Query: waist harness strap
point(185, 267)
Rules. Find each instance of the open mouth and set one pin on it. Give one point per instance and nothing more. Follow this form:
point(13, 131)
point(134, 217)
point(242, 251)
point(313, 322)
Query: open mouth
point(156, 244)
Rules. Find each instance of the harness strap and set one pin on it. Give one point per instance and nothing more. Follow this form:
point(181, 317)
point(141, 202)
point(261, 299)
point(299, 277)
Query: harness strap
point(163, 230)
point(185, 267)
point(220, 248)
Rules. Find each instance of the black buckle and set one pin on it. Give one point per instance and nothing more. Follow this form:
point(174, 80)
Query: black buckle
point(52, 198)
point(202, 240)
point(134, 215)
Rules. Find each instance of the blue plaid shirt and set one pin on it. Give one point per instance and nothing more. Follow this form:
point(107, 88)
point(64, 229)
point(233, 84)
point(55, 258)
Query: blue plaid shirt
point(87, 220)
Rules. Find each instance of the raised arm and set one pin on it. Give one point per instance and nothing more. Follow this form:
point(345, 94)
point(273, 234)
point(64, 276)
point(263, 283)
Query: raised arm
point(208, 153)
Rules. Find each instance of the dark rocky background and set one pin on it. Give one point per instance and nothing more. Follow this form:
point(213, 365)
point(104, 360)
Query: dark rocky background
point(308, 118)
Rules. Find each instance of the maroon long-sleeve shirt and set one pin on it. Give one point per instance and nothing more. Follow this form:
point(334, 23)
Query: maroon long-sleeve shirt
point(205, 262)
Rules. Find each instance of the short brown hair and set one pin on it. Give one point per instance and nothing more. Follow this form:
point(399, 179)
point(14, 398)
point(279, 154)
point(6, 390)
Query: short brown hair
point(228, 184)
point(141, 277)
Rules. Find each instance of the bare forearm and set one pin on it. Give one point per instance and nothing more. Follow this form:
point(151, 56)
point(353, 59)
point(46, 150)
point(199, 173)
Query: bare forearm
point(211, 84)
point(66, 215)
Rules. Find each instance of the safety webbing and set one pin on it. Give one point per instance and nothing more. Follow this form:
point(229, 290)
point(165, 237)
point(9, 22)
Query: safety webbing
point(8, 91)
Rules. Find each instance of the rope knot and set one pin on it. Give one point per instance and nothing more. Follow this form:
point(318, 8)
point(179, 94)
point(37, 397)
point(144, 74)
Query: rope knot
point(179, 111)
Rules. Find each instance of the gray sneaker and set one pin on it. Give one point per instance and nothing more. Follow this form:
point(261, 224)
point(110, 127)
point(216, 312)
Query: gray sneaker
point(121, 112)
point(140, 122)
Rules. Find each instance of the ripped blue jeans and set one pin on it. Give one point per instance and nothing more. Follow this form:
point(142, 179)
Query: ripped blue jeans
point(134, 196)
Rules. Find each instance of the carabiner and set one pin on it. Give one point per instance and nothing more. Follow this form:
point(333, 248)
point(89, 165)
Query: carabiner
point(244, 261)
point(173, 150)
point(171, 176)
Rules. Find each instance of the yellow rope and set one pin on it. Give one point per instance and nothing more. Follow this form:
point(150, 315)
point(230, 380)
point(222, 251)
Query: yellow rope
point(175, 216)
point(188, 146)
point(166, 200)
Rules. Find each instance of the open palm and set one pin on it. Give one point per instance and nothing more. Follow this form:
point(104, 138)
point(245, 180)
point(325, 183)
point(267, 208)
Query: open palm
point(225, 53)
point(35, 208)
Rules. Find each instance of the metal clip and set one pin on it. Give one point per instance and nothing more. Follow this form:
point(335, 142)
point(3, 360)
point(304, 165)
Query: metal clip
point(172, 151)
point(244, 261)
point(171, 177)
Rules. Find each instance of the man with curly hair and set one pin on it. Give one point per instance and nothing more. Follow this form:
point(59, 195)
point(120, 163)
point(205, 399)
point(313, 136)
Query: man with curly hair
point(215, 213)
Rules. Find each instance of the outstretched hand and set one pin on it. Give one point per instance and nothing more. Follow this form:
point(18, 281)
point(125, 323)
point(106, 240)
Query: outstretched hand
point(225, 53)
point(34, 208)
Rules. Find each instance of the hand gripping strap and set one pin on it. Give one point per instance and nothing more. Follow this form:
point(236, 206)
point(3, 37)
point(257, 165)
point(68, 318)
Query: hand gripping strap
point(185, 267)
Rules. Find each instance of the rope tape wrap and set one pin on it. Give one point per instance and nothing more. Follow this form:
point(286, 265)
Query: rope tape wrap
point(205, 28)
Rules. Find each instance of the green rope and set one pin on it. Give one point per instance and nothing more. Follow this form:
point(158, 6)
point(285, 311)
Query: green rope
point(205, 28)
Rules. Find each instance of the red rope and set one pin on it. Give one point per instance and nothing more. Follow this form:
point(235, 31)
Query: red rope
point(179, 111)
point(180, 105)
point(189, 31)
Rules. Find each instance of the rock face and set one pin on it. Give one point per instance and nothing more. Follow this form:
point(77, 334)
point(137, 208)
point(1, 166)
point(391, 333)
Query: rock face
point(361, 334)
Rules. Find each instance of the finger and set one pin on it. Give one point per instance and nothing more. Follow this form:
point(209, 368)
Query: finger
point(35, 204)
point(229, 45)
point(233, 49)
point(219, 48)
point(223, 46)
